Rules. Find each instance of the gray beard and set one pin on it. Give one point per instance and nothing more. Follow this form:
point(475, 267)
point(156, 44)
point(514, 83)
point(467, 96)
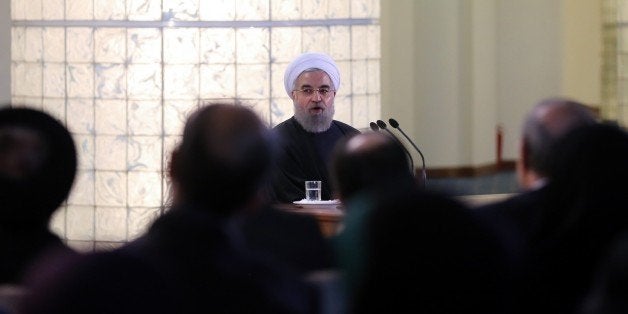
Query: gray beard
point(314, 124)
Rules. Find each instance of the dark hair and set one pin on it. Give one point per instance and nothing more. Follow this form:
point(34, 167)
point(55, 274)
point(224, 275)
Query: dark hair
point(546, 123)
point(37, 167)
point(223, 159)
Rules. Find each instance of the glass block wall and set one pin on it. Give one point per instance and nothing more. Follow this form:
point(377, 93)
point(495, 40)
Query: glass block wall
point(615, 61)
point(124, 74)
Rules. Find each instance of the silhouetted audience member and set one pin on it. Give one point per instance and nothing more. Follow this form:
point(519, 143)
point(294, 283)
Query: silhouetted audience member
point(586, 212)
point(427, 253)
point(293, 239)
point(607, 295)
point(404, 250)
point(192, 259)
point(37, 169)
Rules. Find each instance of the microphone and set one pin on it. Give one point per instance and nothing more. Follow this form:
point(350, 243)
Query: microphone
point(382, 125)
point(374, 127)
point(395, 125)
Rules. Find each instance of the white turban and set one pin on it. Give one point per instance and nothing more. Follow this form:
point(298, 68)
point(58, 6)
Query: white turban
point(310, 60)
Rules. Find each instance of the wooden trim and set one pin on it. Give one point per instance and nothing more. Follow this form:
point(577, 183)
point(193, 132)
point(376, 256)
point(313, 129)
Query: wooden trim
point(469, 171)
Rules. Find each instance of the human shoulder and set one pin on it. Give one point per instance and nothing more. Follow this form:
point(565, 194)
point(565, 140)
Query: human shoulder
point(345, 128)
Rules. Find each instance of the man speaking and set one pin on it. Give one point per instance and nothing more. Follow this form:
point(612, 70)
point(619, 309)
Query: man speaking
point(308, 137)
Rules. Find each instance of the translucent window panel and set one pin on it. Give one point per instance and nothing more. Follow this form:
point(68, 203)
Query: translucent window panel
point(253, 10)
point(317, 9)
point(285, 10)
point(110, 188)
point(54, 44)
point(125, 75)
point(110, 45)
point(285, 44)
point(54, 80)
point(109, 10)
point(143, 10)
point(79, 10)
point(218, 45)
point(217, 10)
point(181, 45)
point(183, 10)
point(144, 45)
point(252, 45)
point(218, 81)
point(110, 81)
point(110, 224)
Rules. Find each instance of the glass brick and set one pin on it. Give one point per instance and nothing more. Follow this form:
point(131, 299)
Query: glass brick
point(53, 9)
point(80, 41)
point(18, 43)
point(253, 81)
point(109, 10)
point(33, 9)
point(285, 43)
point(181, 81)
point(175, 115)
point(217, 10)
point(144, 117)
point(110, 117)
point(285, 10)
point(80, 80)
point(111, 154)
point(110, 224)
point(316, 39)
point(373, 42)
point(80, 223)
point(144, 189)
point(359, 46)
point(110, 81)
point(144, 81)
point(55, 107)
point(181, 45)
point(85, 150)
point(54, 79)
point(182, 10)
point(281, 109)
point(252, 10)
point(338, 9)
point(315, 9)
point(144, 10)
point(81, 116)
point(340, 42)
point(110, 188)
point(218, 81)
point(144, 153)
point(79, 10)
point(110, 45)
point(218, 45)
point(54, 44)
point(252, 45)
point(359, 77)
point(27, 79)
point(360, 113)
point(144, 45)
point(18, 9)
point(34, 44)
point(140, 219)
point(83, 188)
point(57, 222)
point(373, 78)
point(346, 85)
point(343, 106)
point(277, 73)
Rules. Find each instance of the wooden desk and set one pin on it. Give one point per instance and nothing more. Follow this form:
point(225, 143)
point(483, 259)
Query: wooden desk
point(329, 217)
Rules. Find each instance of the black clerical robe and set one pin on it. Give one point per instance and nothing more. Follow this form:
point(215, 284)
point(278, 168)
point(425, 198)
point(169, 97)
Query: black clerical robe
point(305, 156)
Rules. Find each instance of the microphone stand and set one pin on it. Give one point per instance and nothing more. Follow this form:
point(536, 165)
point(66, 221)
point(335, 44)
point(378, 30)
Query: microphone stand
point(382, 125)
point(395, 125)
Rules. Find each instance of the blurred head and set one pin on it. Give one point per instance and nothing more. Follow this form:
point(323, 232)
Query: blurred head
point(37, 166)
point(372, 162)
point(311, 81)
point(223, 159)
point(547, 122)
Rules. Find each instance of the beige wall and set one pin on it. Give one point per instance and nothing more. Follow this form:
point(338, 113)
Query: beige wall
point(452, 70)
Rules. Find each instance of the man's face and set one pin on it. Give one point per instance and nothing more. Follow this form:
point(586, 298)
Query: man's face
point(314, 111)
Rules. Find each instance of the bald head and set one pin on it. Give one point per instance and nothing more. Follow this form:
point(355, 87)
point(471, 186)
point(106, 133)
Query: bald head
point(369, 162)
point(546, 123)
